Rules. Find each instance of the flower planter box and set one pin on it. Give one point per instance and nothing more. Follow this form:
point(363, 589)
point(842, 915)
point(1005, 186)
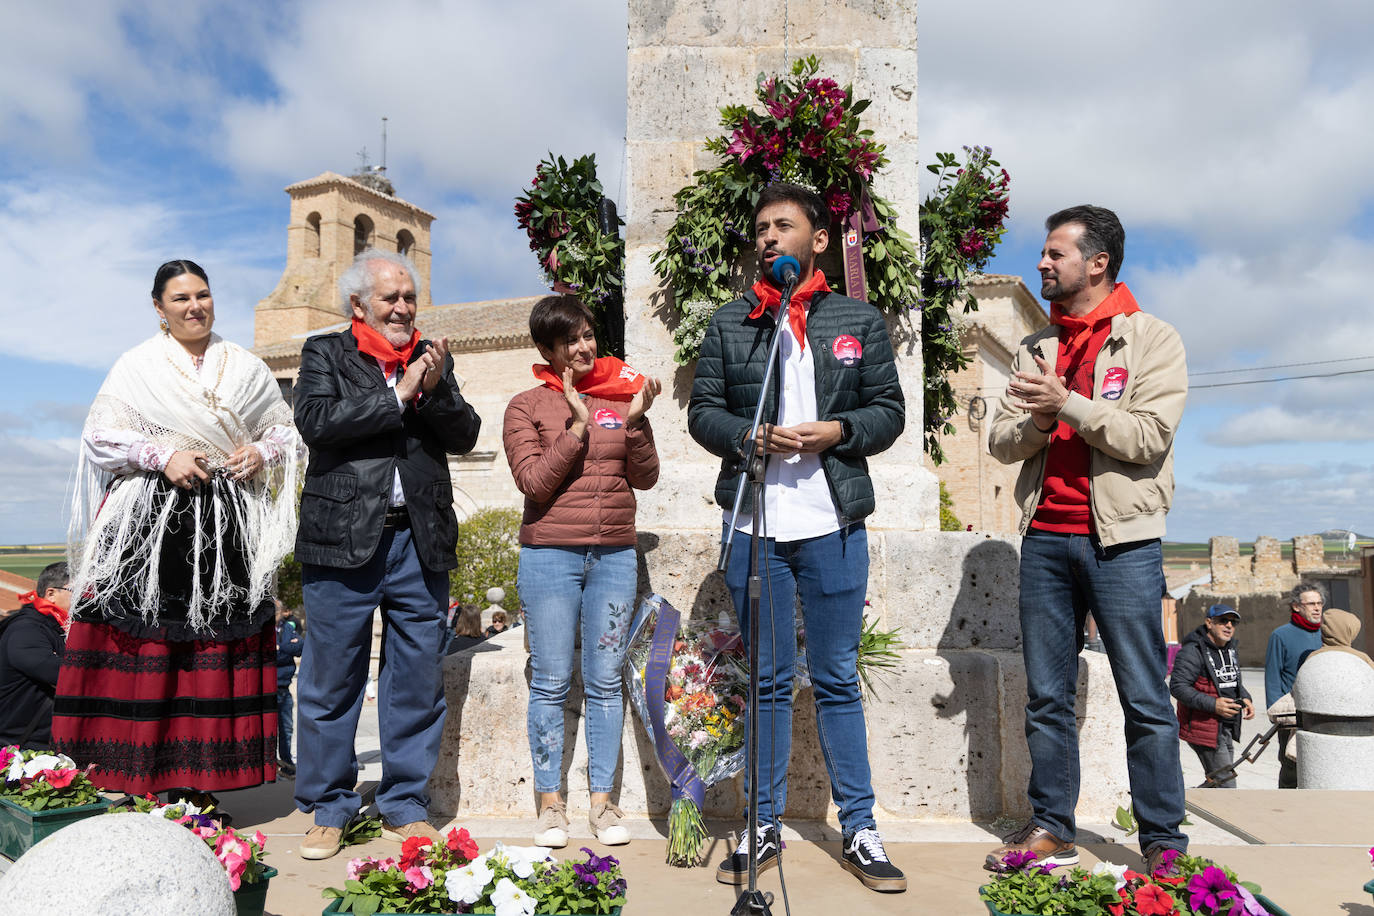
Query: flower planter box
point(334, 908)
point(1273, 908)
point(251, 899)
point(21, 828)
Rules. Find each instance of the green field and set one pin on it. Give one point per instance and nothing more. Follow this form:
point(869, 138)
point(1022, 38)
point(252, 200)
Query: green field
point(1185, 554)
point(29, 563)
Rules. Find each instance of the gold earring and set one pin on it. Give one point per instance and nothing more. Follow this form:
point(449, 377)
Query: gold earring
point(163, 324)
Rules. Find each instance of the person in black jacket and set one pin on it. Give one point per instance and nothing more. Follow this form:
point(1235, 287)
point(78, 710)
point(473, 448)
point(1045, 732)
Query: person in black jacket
point(31, 646)
point(381, 412)
point(289, 647)
point(836, 401)
point(1206, 681)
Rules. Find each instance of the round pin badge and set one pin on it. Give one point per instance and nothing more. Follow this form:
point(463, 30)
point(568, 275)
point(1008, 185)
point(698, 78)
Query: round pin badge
point(607, 418)
point(847, 350)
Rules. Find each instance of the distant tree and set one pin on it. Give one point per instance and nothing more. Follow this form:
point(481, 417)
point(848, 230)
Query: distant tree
point(948, 520)
point(488, 554)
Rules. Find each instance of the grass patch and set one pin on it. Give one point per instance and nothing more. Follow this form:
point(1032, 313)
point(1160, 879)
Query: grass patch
point(29, 565)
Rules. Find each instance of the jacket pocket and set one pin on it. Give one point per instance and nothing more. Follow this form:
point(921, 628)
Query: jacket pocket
point(328, 508)
point(445, 521)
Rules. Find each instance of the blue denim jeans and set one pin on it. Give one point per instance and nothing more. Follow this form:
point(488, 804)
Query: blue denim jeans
point(410, 690)
point(565, 592)
point(830, 575)
point(286, 721)
point(1063, 577)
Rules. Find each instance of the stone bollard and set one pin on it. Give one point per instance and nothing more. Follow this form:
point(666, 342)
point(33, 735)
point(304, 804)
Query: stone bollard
point(495, 595)
point(119, 863)
point(1334, 695)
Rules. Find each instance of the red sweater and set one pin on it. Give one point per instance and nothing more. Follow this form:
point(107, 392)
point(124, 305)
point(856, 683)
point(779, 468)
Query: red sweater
point(1064, 506)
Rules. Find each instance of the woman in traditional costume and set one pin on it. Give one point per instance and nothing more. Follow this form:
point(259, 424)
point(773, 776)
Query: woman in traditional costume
point(578, 445)
point(184, 507)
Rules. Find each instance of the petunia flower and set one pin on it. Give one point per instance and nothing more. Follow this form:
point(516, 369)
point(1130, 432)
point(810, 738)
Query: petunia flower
point(469, 883)
point(1153, 900)
point(419, 877)
point(461, 842)
point(1118, 872)
point(512, 900)
point(1211, 889)
point(1246, 904)
point(59, 779)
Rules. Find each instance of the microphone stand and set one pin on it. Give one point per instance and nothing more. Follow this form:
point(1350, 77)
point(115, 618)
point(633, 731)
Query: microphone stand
point(751, 900)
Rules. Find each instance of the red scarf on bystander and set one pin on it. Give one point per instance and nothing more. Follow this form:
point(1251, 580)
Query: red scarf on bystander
point(610, 378)
point(378, 347)
point(770, 297)
point(44, 606)
point(1303, 623)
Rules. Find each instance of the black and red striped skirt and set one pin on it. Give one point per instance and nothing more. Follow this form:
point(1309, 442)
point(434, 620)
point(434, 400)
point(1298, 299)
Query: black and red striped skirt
point(155, 714)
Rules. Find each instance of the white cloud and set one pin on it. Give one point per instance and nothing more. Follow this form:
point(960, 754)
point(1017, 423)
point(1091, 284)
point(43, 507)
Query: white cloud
point(81, 259)
point(33, 488)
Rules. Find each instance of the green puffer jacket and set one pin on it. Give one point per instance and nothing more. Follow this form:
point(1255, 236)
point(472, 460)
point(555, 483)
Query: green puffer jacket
point(856, 381)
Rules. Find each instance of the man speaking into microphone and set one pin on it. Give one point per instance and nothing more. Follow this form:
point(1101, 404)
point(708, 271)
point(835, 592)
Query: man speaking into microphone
point(836, 400)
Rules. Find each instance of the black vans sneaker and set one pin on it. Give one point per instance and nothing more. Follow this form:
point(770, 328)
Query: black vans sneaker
point(865, 859)
point(735, 868)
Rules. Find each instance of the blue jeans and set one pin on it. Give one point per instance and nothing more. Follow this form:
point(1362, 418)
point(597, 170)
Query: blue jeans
point(567, 591)
point(286, 720)
point(830, 574)
point(333, 673)
point(1063, 577)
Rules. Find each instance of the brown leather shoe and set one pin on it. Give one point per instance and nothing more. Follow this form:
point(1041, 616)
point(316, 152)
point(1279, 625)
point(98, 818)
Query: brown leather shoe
point(321, 842)
point(1047, 848)
point(401, 833)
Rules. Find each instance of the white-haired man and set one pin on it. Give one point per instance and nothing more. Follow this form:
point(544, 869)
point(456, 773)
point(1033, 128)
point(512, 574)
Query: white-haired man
point(380, 410)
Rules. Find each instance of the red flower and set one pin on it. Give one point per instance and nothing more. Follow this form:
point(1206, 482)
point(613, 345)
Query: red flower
point(59, 779)
point(1153, 900)
point(461, 842)
point(413, 849)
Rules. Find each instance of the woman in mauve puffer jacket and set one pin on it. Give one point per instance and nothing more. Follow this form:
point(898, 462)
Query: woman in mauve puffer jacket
point(578, 446)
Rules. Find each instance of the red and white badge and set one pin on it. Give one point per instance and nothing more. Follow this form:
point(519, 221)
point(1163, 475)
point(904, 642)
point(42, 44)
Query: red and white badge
point(1113, 384)
point(847, 350)
point(607, 418)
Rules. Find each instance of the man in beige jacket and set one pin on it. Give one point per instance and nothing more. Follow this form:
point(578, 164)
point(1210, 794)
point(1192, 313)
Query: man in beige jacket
point(1091, 411)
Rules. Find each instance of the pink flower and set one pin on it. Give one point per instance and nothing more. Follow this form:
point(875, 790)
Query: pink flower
point(812, 145)
point(551, 262)
point(59, 779)
point(1211, 889)
point(744, 142)
point(420, 877)
point(260, 839)
point(773, 150)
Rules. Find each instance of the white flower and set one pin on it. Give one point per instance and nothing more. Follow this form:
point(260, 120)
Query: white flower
point(521, 859)
point(16, 770)
point(1116, 871)
point(467, 884)
point(512, 900)
point(45, 762)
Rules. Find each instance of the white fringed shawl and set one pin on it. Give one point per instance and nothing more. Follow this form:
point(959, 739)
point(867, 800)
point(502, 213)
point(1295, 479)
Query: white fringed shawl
point(155, 392)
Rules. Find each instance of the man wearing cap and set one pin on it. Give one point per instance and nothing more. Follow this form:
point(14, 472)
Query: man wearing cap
point(1212, 700)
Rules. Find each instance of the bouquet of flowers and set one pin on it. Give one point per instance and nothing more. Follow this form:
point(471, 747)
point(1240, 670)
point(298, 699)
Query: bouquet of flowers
point(241, 856)
point(39, 780)
point(1182, 885)
point(690, 683)
point(453, 877)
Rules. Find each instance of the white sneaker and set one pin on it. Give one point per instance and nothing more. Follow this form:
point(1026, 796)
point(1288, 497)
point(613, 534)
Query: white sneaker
point(605, 823)
point(551, 829)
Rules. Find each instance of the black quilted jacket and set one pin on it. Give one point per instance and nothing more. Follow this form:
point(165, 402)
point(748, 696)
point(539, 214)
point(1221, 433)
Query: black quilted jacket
point(856, 380)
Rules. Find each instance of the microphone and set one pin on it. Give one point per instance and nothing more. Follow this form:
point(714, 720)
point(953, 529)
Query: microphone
point(786, 272)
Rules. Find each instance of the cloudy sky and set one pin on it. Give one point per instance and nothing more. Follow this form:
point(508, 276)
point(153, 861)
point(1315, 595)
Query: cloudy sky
point(1234, 139)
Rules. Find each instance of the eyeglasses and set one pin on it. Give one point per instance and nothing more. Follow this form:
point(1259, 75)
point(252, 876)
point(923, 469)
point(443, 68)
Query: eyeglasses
point(1309, 603)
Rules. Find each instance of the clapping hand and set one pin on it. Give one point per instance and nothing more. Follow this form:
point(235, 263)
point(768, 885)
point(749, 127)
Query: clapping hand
point(425, 371)
point(1044, 395)
point(576, 405)
point(643, 400)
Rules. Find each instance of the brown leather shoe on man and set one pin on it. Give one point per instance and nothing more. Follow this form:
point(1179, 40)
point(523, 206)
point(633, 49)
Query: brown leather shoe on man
point(403, 832)
point(1047, 848)
point(321, 842)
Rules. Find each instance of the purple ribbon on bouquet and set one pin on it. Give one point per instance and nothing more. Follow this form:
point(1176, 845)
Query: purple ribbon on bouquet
point(681, 773)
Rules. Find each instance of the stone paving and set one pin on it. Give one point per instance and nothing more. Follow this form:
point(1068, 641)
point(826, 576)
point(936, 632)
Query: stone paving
point(1313, 860)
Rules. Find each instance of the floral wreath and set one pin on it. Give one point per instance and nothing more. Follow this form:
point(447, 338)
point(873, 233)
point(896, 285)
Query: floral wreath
point(808, 133)
point(561, 215)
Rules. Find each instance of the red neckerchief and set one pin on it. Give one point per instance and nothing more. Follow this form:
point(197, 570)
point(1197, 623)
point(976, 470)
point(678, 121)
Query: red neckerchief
point(610, 378)
point(1299, 621)
point(1118, 302)
point(770, 297)
point(44, 606)
point(378, 347)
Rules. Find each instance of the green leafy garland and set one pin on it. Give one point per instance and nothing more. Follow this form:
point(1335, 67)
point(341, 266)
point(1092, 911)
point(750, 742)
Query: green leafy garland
point(559, 213)
point(962, 221)
point(807, 133)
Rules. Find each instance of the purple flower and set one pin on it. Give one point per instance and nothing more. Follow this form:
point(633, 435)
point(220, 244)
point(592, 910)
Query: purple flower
point(1166, 862)
point(1246, 904)
point(1211, 889)
point(1018, 858)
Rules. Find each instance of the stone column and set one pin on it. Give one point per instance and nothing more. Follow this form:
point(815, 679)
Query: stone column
point(686, 60)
